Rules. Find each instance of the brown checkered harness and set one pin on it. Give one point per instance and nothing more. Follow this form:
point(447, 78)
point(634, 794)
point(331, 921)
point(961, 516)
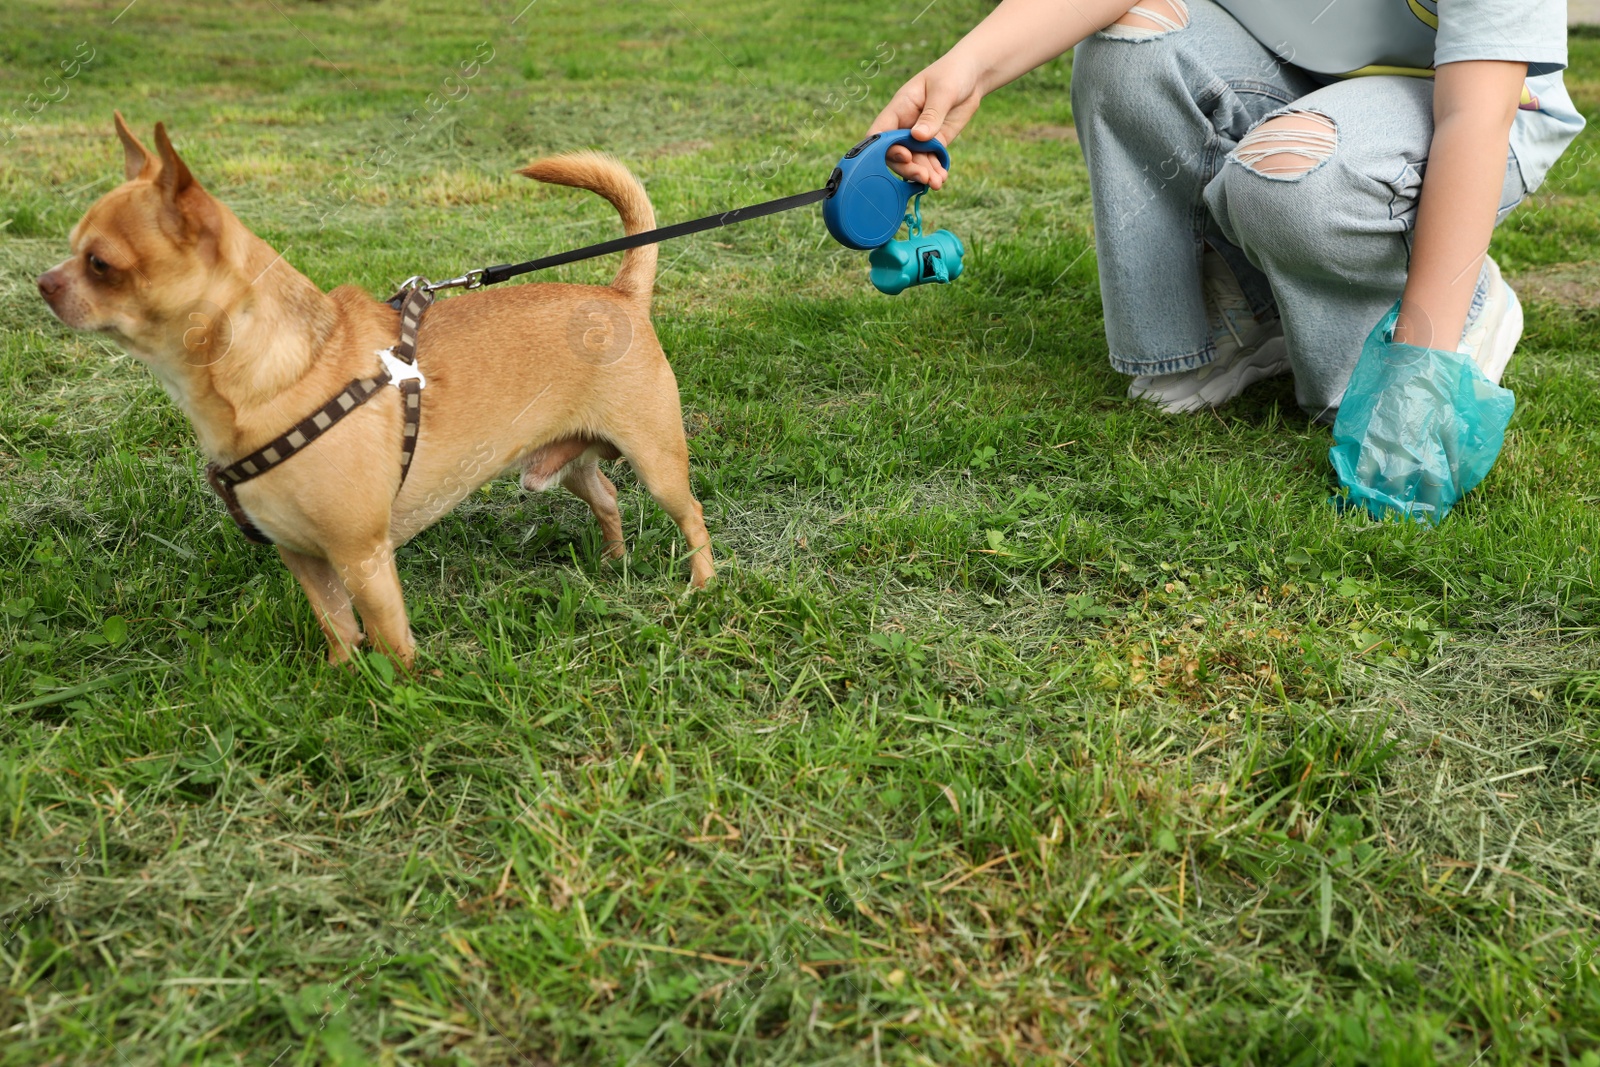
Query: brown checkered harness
point(400, 367)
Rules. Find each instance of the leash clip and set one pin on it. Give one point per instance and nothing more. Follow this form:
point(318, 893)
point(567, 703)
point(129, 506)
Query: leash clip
point(399, 370)
point(473, 279)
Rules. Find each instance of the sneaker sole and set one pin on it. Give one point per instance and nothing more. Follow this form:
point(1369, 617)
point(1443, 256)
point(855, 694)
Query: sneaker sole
point(1197, 389)
point(1218, 391)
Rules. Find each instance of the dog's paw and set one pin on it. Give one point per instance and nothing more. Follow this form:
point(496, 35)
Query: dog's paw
point(340, 655)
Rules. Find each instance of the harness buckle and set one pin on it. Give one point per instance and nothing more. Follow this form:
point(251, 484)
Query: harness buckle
point(399, 370)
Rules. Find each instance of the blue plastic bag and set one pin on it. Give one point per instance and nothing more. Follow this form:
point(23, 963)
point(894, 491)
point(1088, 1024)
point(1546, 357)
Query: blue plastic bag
point(1417, 429)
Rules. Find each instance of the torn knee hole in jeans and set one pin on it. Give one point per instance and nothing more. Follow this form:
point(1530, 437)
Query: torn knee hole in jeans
point(1149, 19)
point(1289, 146)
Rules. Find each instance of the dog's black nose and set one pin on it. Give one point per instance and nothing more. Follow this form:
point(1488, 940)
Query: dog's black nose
point(49, 284)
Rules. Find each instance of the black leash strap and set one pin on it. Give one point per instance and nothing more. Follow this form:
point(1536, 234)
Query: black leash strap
point(475, 279)
point(492, 275)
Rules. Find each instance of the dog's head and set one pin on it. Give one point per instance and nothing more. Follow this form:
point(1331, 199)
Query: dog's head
point(145, 258)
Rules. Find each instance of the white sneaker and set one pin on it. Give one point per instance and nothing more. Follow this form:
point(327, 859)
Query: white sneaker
point(1248, 350)
point(1493, 335)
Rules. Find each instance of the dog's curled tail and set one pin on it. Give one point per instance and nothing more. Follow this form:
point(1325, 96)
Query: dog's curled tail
point(602, 174)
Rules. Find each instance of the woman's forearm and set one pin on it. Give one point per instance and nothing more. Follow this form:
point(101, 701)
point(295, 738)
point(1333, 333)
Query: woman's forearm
point(1019, 35)
point(1474, 105)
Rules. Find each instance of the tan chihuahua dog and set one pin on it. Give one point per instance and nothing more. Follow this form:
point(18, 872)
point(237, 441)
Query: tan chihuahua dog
point(551, 378)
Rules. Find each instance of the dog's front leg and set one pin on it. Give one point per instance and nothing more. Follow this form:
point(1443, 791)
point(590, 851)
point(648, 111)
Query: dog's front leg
point(329, 600)
point(374, 582)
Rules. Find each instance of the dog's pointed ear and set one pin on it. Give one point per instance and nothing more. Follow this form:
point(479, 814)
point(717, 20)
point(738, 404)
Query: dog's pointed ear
point(137, 161)
point(174, 178)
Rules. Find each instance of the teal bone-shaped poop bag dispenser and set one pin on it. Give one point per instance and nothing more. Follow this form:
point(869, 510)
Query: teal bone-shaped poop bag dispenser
point(868, 206)
point(918, 259)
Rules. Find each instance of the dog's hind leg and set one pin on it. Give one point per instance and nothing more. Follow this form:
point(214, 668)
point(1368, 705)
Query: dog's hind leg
point(574, 462)
point(330, 601)
point(656, 448)
point(584, 481)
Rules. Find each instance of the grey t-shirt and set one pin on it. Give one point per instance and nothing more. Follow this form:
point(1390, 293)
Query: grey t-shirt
point(1356, 38)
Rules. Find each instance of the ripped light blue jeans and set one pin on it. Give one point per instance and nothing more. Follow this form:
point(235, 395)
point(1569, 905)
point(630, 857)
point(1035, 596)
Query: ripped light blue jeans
point(1161, 114)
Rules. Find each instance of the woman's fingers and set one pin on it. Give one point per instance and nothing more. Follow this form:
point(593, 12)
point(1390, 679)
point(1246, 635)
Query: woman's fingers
point(955, 120)
point(921, 167)
point(930, 121)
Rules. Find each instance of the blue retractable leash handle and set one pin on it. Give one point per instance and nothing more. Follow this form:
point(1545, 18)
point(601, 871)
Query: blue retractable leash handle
point(866, 210)
point(869, 206)
point(864, 205)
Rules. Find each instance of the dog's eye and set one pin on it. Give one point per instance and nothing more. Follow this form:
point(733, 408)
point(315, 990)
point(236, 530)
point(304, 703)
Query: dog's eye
point(98, 265)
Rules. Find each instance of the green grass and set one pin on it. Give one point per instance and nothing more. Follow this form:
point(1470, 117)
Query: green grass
point(1021, 726)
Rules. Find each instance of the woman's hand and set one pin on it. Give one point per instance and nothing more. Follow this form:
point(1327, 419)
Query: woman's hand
point(935, 103)
point(1016, 37)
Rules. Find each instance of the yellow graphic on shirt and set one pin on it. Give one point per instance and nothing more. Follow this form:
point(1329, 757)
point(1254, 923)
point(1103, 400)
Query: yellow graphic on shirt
point(1427, 11)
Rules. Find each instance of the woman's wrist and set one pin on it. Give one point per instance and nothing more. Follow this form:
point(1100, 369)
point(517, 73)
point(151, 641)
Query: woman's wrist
point(985, 61)
point(1474, 106)
point(964, 66)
